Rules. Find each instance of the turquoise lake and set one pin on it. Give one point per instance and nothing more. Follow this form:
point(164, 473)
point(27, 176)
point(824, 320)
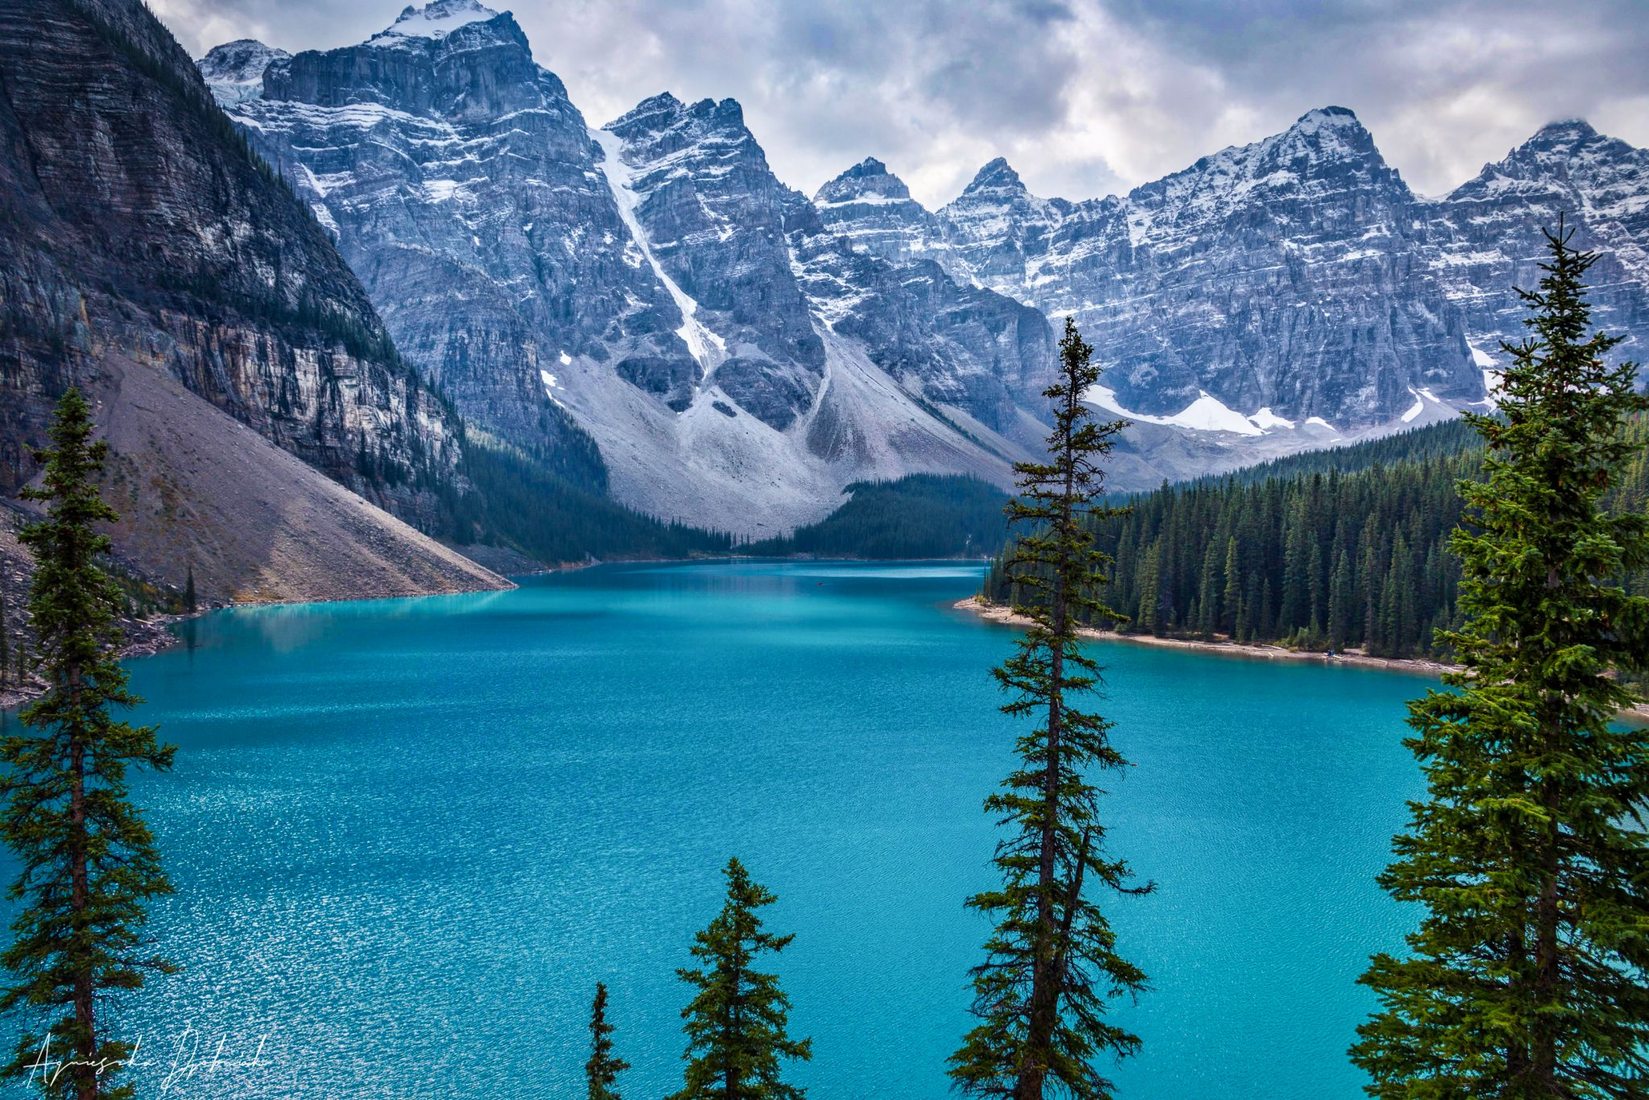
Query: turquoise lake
point(408, 836)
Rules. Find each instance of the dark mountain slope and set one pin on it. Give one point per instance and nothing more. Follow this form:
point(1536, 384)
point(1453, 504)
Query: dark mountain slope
point(139, 234)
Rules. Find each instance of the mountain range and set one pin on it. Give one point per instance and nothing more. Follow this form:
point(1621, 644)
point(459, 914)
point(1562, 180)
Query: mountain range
point(738, 351)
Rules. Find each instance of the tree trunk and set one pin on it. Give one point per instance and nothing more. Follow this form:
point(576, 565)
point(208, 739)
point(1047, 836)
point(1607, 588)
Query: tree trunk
point(1543, 1053)
point(85, 1075)
point(730, 1077)
point(1044, 1004)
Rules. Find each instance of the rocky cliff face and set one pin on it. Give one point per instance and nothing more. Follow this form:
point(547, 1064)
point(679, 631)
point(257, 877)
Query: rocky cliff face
point(1288, 275)
point(872, 209)
point(139, 229)
point(1488, 235)
point(737, 350)
point(711, 214)
point(868, 264)
point(1296, 282)
point(650, 282)
point(440, 157)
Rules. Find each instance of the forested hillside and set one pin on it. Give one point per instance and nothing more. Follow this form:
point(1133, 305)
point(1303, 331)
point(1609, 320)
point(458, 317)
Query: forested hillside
point(920, 516)
point(1321, 559)
point(1450, 437)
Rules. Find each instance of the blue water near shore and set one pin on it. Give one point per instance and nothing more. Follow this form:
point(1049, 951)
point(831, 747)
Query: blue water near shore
point(408, 836)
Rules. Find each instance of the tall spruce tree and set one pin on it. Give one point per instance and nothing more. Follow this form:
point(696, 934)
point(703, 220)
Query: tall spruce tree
point(1526, 976)
point(737, 1023)
point(1043, 994)
point(89, 863)
point(602, 1070)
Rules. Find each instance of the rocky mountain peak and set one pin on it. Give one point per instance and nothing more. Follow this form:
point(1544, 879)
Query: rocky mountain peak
point(1564, 133)
point(657, 112)
point(234, 71)
point(997, 177)
point(869, 180)
point(1570, 151)
point(872, 209)
point(433, 21)
point(1318, 140)
point(1330, 117)
point(241, 60)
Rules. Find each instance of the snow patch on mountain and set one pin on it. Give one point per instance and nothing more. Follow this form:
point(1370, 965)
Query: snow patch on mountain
point(433, 21)
point(1206, 414)
point(706, 347)
point(234, 71)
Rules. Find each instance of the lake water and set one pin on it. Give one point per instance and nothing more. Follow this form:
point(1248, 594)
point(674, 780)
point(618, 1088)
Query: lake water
point(409, 836)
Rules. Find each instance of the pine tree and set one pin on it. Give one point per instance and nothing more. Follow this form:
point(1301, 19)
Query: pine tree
point(1041, 996)
point(737, 1023)
point(603, 1068)
point(1340, 603)
point(1525, 977)
point(89, 861)
point(189, 589)
point(1233, 586)
point(1208, 611)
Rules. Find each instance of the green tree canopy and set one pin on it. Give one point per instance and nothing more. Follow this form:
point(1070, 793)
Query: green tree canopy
point(1042, 996)
point(1527, 974)
point(737, 1023)
point(89, 863)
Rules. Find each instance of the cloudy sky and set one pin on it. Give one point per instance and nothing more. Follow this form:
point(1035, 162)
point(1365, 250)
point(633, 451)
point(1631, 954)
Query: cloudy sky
point(1084, 97)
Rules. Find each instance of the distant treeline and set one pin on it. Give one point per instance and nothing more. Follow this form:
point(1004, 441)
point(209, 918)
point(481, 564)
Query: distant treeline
point(920, 516)
point(1451, 437)
point(519, 501)
point(1308, 555)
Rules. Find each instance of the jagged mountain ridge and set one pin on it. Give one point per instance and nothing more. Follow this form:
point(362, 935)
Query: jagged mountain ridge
point(762, 348)
point(147, 256)
point(1295, 278)
point(647, 277)
point(1489, 239)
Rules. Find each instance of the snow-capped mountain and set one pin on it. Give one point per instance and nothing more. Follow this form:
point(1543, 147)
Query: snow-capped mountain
point(649, 282)
point(235, 70)
point(739, 352)
point(1295, 282)
point(1281, 276)
point(711, 216)
point(1488, 236)
point(872, 208)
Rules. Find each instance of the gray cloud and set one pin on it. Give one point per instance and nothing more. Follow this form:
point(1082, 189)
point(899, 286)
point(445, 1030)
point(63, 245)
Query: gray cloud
point(1084, 97)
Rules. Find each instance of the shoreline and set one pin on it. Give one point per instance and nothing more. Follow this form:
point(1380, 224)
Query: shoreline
point(144, 638)
point(1002, 616)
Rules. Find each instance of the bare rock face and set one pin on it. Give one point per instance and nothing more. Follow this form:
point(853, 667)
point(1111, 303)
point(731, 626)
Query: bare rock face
point(1488, 235)
point(878, 269)
point(460, 184)
point(1291, 274)
point(1296, 280)
point(713, 215)
point(137, 224)
point(235, 364)
point(650, 283)
point(872, 209)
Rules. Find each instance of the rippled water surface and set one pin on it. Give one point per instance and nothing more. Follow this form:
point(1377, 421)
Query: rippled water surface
point(408, 836)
